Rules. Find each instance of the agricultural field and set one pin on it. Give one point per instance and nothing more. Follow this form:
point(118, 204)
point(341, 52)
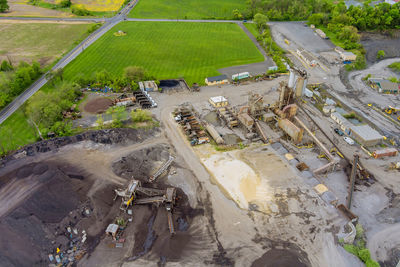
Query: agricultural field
point(187, 9)
point(43, 42)
point(168, 50)
point(21, 8)
point(99, 5)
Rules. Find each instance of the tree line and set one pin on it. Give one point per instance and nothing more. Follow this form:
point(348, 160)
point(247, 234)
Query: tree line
point(14, 80)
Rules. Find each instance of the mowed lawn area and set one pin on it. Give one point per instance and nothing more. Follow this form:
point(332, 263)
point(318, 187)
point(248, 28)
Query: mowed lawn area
point(16, 132)
point(187, 9)
point(43, 42)
point(166, 50)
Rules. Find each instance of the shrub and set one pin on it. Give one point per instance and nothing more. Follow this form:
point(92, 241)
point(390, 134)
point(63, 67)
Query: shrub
point(371, 263)
point(65, 3)
point(351, 249)
point(380, 54)
point(80, 11)
point(140, 115)
point(364, 255)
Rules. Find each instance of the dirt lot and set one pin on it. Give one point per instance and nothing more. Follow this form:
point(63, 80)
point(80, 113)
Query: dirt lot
point(97, 105)
point(20, 8)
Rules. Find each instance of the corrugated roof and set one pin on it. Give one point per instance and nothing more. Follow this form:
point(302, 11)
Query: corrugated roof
point(217, 78)
point(387, 85)
point(218, 99)
point(366, 132)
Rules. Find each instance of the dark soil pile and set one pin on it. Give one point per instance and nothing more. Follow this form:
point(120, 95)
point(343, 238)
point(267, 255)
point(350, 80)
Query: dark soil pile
point(98, 105)
point(279, 257)
point(38, 224)
point(121, 136)
point(142, 163)
point(373, 42)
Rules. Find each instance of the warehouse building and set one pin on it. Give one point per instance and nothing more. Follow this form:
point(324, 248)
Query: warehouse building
point(384, 86)
point(366, 135)
point(344, 124)
point(388, 87)
point(220, 79)
point(348, 56)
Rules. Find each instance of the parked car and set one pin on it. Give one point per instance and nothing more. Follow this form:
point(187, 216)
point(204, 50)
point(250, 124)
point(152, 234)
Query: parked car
point(339, 132)
point(348, 140)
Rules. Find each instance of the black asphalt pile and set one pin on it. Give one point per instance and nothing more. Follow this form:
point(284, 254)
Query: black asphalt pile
point(142, 163)
point(279, 257)
point(53, 211)
point(373, 42)
point(122, 136)
point(152, 235)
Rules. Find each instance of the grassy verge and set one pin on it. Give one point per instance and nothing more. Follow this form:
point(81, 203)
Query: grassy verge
point(395, 66)
point(273, 50)
point(16, 132)
point(187, 9)
point(168, 50)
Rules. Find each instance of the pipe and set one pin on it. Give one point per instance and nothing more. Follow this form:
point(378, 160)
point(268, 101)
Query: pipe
point(326, 151)
point(331, 158)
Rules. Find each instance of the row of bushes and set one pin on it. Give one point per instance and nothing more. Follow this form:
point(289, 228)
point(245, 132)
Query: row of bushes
point(130, 78)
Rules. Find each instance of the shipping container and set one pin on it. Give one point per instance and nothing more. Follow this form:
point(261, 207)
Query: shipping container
point(387, 152)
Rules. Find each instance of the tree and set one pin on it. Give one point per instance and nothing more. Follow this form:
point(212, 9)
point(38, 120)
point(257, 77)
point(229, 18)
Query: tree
point(261, 21)
point(237, 14)
point(134, 73)
point(3, 6)
point(349, 33)
point(380, 54)
point(6, 65)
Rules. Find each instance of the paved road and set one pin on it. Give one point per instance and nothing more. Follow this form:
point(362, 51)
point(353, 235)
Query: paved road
point(18, 101)
point(57, 19)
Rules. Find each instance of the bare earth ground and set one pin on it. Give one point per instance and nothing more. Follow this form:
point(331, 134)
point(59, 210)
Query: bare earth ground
point(19, 8)
point(46, 41)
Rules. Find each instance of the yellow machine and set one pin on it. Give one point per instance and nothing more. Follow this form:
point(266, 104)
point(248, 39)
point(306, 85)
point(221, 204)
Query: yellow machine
point(310, 145)
point(334, 150)
point(392, 110)
point(287, 42)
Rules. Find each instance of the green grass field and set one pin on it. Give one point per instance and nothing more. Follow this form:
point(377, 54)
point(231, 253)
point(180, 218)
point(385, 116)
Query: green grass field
point(43, 42)
point(16, 132)
point(193, 51)
point(187, 9)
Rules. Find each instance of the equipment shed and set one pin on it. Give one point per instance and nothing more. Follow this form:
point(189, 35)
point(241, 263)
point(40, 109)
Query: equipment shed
point(365, 135)
point(348, 56)
point(221, 79)
point(218, 101)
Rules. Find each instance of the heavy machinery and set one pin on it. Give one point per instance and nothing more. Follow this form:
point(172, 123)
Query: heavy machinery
point(162, 169)
point(391, 110)
point(134, 193)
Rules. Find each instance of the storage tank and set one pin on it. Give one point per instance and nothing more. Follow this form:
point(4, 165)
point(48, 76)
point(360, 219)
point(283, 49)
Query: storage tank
point(299, 87)
point(214, 134)
point(292, 79)
point(292, 130)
